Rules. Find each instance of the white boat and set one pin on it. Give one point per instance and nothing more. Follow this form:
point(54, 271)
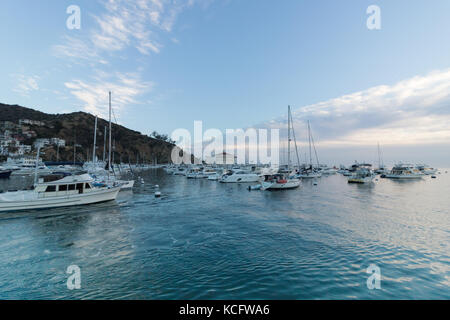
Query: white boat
point(238, 176)
point(278, 182)
point(326, 171)
point(180, 171)
point(405, 171)
point(27, 167)
point(69, 191)
point(426, 169)
point(195, 173)
point(309, 174)
point(363, 174)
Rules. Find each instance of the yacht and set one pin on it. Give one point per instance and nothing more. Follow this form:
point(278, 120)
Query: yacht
point(405, 171)
point(27, 166)
point(426, 169)
point(65, 192)
point(195, 173)
point(236, 176)
point(362, 174)
point(279, 181)
point(309, 173)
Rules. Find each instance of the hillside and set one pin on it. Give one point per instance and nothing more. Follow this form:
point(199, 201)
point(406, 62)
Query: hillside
point(78, 128)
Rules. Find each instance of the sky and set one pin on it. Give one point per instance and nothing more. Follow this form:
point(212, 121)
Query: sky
point(239, 64)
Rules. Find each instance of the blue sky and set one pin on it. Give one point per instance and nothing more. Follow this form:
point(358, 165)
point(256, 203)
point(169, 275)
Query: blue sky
point(236, 63)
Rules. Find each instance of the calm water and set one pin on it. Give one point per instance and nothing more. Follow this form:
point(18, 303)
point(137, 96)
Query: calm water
point(206, 240)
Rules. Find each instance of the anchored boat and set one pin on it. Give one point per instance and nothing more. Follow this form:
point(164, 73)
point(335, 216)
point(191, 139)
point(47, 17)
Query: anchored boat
point(69, 191)
point(362, 174)
point(405, 171)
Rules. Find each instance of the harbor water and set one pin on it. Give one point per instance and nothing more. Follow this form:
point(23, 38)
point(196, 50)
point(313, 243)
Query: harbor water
point(206, 240)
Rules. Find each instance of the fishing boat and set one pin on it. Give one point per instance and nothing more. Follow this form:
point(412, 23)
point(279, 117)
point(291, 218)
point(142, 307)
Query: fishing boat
point(362, 174)
point(68, 191)
point(405, 171)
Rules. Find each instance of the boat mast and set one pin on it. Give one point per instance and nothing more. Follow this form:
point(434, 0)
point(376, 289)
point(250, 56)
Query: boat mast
point(289, 138)
point(309, 137)
point(95, 141)
point(37, 164)
point(295, 140)
point(104, 146)
point(110, 141)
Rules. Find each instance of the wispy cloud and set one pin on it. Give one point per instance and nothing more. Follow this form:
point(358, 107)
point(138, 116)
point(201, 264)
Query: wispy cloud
point(126, 87)
point(123, 25)
point(25, 84)
point(412, 111)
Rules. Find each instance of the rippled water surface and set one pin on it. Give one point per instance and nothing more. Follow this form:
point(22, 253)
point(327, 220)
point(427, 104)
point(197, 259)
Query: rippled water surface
point(206, 240)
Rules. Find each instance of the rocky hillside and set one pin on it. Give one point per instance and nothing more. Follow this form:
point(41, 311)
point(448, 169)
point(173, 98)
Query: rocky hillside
point(78, 129)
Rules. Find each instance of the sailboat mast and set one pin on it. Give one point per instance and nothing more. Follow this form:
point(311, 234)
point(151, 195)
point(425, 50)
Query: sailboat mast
point(295, 139)
point(104, 146)
point(310, 151)
point(95, 140)
point(289, 137)
point(110, 140)
point(379, 156)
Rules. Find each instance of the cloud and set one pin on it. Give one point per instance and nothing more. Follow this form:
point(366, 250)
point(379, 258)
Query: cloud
point(125, 88)
point(412, 111)
point(125, 24)
point(25, 84)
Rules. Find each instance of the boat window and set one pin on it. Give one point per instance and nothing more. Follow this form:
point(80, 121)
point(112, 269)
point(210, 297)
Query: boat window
point(50, 189)
point(63, 187)
point(88, 186)
point(71, 187)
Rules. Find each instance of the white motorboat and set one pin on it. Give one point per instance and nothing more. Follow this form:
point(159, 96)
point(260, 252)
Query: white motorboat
point(363, 174)
point(238, 176)
point(195, 173)
point(426, 169)
point(278, 182)
point(69, 191)
point(309, 174)
point(405, 171)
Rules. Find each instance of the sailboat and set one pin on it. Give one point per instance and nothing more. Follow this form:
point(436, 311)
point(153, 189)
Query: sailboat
point(381, 168)
point(309, 172)
point(280, 181)
point(104, 176)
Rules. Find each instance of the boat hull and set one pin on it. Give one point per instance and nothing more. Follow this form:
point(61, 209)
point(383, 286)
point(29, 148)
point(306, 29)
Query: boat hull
point(64, 201)
point(5, 174)
point(403, 177)
point(291, 184)
point(240, 179)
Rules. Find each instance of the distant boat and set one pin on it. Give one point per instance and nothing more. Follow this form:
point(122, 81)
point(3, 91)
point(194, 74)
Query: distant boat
point(426, 169)
point(362, 174)
point(279, 181)
point(237, 176)
point(69, 191)
point(405, 171)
